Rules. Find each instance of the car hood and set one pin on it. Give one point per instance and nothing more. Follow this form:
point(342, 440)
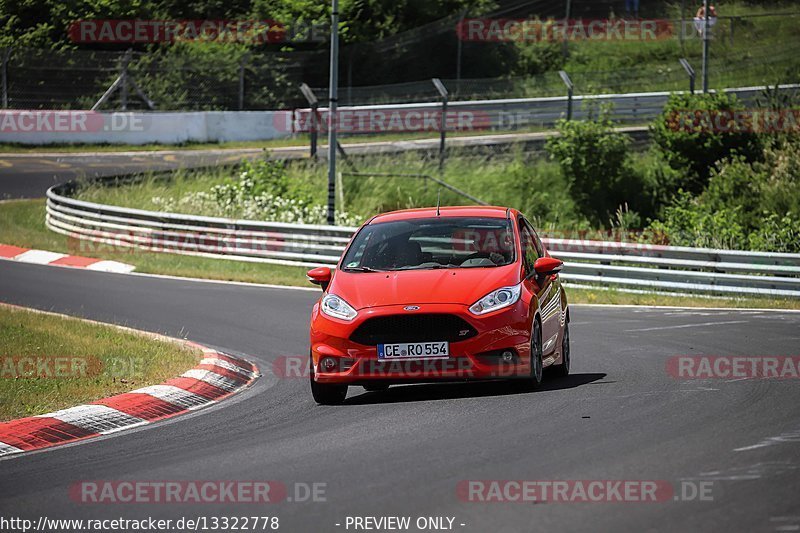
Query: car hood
point(413, 287)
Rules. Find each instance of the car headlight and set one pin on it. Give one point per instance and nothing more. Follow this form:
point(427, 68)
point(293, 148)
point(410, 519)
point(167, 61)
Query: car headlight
point(495, 300)
point(334, 306)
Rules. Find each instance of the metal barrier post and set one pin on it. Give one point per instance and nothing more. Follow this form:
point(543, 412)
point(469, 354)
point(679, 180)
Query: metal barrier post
point(568, 82)
point(690, 71)
point(443, 123)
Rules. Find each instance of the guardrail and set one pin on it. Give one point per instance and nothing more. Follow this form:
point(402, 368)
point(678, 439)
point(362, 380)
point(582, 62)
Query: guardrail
point(606, 263)
point(516, 113)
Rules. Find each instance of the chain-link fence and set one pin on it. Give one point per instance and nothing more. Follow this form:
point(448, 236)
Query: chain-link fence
point(180, 78)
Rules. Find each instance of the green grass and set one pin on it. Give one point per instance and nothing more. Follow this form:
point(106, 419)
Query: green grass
point(22, 224)
point(296, 140)
point(580, 295)
point(100, 361)
point(763, 49)
point(524, 181)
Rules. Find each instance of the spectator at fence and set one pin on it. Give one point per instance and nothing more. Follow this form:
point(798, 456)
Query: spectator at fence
point(700, 19)
point(632, 8)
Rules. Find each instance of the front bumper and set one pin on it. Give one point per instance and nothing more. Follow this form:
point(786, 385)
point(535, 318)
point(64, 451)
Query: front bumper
point(477, 357)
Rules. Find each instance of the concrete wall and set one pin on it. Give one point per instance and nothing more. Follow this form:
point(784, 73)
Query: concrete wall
point(48, 127)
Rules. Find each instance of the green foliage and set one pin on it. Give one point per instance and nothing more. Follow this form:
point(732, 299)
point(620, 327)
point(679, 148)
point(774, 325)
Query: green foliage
point(693, 145)
point(777, 234)
point(595, 162)
point(745, 206)
point(687, 223)
point(538, 57)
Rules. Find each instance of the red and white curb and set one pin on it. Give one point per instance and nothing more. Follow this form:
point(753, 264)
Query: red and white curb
point(216, 377)
point(43, 257)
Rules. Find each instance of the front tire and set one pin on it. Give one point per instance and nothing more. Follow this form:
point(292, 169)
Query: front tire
point(327, 393)
point(535, 378)
point(562, 370)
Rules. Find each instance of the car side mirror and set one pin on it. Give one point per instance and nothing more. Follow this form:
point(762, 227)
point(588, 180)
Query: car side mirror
point(320, 276)
point(546, 266)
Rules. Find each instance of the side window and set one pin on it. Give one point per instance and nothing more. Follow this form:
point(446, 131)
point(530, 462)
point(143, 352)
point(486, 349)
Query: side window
point(536, 240)
point(528, 241)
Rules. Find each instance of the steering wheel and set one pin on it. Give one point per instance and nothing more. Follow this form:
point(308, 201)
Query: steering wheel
point(478, 255)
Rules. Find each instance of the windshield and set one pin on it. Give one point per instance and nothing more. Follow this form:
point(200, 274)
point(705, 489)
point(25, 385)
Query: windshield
point(427, 243)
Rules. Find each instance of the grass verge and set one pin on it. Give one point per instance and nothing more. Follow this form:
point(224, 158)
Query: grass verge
point(74, 362)
point(22, 224)
point(293, 141)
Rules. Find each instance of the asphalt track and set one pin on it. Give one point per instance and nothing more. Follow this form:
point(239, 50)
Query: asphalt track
point(619, 416)
point(29, 175)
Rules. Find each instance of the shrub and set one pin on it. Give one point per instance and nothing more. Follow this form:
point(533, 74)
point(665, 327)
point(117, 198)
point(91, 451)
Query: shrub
point(696, 147)
point(745, 206)
point(594, 160)
point(686, 223)
point(777, 234)
point(261, 191)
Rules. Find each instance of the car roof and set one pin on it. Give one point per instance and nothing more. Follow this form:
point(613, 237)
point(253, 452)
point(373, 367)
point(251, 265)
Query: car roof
point(456, 211)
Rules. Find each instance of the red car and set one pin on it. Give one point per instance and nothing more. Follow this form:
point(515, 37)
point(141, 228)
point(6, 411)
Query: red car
point(438, 294)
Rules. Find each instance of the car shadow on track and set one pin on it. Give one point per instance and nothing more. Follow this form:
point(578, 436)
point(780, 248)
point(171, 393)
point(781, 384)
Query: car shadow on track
point(451, 391)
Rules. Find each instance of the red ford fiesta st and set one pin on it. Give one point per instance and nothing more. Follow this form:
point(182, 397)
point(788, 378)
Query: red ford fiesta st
point(438, 294)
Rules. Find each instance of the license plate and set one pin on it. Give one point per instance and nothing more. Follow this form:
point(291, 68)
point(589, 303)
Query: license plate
point(413, 350)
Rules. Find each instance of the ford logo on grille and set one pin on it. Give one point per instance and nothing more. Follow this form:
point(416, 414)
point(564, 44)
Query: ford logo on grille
point(411, 308)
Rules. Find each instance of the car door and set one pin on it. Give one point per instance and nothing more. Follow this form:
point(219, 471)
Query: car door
point(545, 287)
point(529, 257)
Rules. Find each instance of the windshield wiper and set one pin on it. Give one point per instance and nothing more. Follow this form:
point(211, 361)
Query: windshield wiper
point(361, 269)
point(428, 267)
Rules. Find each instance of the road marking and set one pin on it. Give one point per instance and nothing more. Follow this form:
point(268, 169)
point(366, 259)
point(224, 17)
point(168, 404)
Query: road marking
point(39, 257)
point(789, 436)
point(8, 449)
point(96, 418)
point(702, 324)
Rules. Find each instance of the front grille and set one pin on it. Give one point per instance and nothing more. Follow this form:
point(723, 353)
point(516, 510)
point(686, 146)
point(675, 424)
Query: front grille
point(412, 328)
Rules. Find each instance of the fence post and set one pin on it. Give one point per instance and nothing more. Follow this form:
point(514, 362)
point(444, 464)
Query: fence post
point(443, 123)
point(6, 55)
point(564, 45)
point(314, 103)
point(690, 71)
point(568, 82)
point(242, 62)
point(124, 76)
point(459, 45)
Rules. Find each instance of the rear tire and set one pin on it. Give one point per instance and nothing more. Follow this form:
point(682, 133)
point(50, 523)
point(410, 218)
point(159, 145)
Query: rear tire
point(562, 370)
point(536, 355)
point(327, 393)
